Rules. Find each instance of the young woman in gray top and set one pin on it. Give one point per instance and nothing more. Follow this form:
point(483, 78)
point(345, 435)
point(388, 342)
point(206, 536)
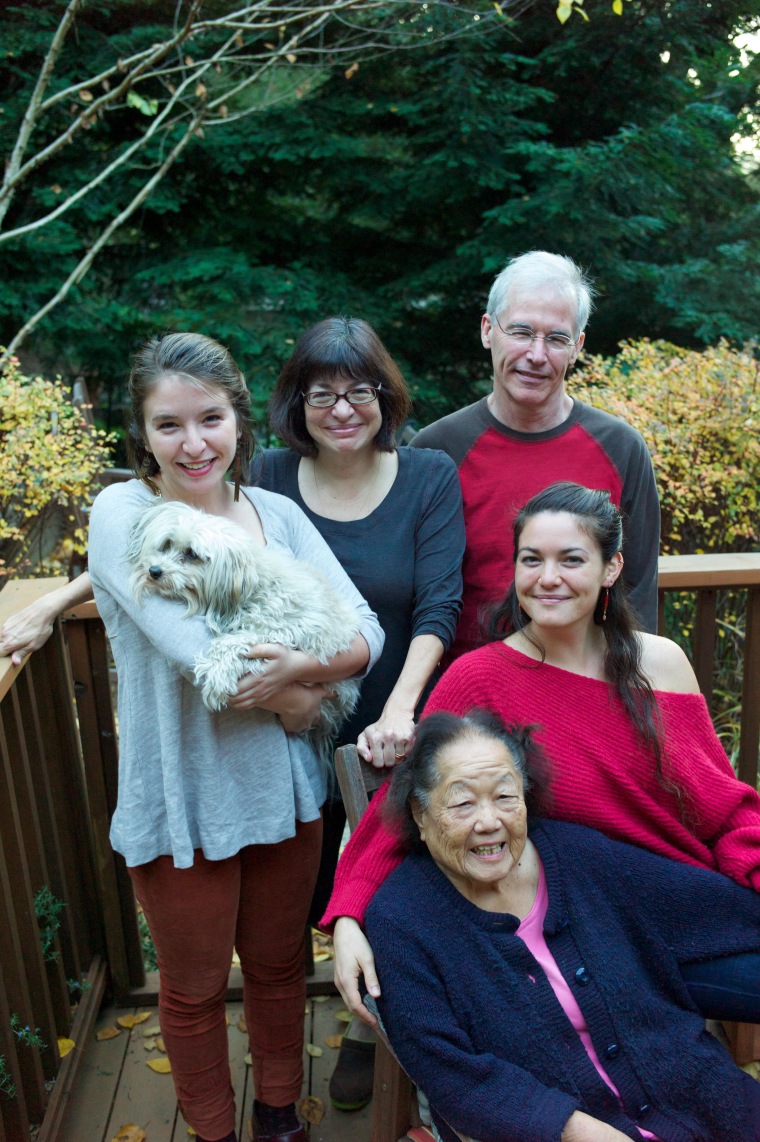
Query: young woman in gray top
point(218, 815)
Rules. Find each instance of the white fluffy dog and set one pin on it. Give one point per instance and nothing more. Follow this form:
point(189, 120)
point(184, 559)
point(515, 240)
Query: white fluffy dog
point(249, 595)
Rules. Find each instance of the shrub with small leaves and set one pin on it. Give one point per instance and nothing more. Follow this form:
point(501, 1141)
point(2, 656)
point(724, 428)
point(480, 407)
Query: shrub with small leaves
point(25, 1035)
point(7, 1086)
point(49, 458)
point(699, 412)
point(48, 908)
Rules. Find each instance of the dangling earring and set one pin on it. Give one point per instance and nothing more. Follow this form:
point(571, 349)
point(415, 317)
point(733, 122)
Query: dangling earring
point(237, 472)
point(605, 604)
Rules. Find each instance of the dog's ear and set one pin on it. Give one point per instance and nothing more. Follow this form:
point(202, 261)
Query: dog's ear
point(230, 576)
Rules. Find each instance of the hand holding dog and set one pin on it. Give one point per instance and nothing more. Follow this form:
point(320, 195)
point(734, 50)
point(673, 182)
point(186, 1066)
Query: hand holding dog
point(283, 667)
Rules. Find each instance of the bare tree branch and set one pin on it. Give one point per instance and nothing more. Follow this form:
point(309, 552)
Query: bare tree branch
point(218, 62)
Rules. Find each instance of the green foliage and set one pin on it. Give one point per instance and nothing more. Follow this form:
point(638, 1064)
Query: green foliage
point(47, 909)
point(397, 189)
point(150, 961)
point(7, 1086)
point(699, 413)
point(25, 1035)
point(49, 458)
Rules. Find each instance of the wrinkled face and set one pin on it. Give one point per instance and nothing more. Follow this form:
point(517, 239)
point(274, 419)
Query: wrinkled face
point(476, 824)
point(560, 571)
point(193, 434)
point(344, 427)
point(530, 379)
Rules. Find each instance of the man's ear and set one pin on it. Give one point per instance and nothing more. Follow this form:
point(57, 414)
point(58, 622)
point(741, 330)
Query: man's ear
point(485, 331)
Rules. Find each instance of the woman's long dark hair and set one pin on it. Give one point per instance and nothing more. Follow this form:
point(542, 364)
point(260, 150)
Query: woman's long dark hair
point(602, 521)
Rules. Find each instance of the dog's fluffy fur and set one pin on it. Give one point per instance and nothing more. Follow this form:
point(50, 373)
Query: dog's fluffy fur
point(248, 594)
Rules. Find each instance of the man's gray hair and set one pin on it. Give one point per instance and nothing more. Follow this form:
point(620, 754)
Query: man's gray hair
point(541, 272)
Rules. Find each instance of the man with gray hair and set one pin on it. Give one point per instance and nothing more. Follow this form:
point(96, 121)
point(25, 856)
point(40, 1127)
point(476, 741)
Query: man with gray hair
point(528, 432)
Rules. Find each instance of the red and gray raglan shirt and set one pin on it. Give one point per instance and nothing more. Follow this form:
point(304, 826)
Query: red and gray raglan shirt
point(500, 469)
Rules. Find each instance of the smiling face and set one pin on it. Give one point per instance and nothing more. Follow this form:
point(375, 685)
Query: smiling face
point(476, 823)
point(344, 427)
point(193, 433)
point(529, 380)
point(559, 571)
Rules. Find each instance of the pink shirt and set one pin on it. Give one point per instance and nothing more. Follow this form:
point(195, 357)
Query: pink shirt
point(531, 932)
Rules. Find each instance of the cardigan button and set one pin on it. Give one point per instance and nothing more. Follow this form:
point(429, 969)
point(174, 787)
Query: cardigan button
point(582, 976)
point(612, 1051)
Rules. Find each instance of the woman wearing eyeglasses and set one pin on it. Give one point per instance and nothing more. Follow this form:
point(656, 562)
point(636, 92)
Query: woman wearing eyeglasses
point(393, 519)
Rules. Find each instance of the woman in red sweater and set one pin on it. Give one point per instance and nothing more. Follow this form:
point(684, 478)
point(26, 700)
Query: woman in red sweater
point(620, 716)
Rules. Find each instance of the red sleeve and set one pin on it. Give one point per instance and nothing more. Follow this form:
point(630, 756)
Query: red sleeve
point(370, 856)
point(723, 811)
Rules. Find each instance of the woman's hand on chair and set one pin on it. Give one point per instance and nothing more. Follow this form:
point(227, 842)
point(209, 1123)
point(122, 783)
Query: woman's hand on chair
point(388, 740)
point(353, 957)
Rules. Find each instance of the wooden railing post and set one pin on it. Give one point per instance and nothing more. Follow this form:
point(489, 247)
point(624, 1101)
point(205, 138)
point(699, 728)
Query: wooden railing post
point(750, 726)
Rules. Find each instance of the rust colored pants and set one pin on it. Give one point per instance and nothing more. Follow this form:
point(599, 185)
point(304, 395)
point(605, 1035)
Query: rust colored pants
point(256, 901)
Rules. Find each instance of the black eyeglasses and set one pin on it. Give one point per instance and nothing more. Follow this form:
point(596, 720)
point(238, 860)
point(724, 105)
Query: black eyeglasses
point(325, 398)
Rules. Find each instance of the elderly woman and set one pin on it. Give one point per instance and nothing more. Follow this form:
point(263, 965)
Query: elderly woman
point(530, 972)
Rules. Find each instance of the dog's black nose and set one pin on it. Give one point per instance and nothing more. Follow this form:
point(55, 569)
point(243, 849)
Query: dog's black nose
point(155, 572)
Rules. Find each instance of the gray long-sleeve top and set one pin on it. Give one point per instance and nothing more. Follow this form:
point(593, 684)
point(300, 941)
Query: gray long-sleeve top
point(189, 778)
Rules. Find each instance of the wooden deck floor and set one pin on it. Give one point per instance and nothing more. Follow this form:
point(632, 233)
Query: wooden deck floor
point(116, 1087)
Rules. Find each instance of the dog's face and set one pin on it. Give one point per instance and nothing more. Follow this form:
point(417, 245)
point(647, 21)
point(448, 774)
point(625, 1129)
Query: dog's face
point(185, 554)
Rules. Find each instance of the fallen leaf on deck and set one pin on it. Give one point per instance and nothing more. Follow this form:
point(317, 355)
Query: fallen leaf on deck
point(227, 1020)
point(160, 1066)
point(333, 1040)
point(241, 1025)
point(248, 1060)
point(191, 1132)
point(752, 1069)
point(160, 1044)
point(129, 1133)
point(315, 1052)
point(149, 1044)
point(312, 1109)
point(319, 957)
point(152, 1031)
point(107, 1033)
point(130, 1021)
point(64, 1046)
point(343, 1016)
point(236, 959)
point(319, 998)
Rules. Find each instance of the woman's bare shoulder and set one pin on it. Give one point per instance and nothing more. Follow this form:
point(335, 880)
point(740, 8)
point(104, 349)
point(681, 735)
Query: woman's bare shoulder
point(666, 666)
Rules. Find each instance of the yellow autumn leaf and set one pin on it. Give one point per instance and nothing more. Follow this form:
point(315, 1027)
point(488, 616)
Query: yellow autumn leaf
point(152, 1031)
point(241, 1025)
point(248, 1060)
point(149, 1044)
point(64, 1046)
point(129, 1021)
point(160, 1044)
point(107, 1033)
point(160, 1066)
point(323, 955)
point(333, 1040)
point(617, 7)
point(312, 1109)
point(343, 1016)
point(129, 1133)
point(315, 1052)
point(191, 1132)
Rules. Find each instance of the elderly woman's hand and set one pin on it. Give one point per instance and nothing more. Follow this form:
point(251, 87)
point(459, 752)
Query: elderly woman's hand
point(582, 1127)
point(353, 957)
point(388, 740)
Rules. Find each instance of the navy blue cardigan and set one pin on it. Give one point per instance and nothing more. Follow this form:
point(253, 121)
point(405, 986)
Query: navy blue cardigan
point(495, 1052)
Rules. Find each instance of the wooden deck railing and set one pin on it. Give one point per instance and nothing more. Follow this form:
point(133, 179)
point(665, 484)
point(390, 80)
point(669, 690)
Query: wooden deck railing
point(706, 575)
point(58, 773)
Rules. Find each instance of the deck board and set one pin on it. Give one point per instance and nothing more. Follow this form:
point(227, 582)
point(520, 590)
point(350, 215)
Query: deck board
point(116, 1087)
